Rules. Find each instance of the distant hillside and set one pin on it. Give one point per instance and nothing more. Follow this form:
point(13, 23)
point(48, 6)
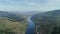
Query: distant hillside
point(12, 16)
point(48, 22)
point(26, 12)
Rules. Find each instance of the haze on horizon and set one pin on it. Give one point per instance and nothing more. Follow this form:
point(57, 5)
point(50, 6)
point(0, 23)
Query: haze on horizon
point(29, 5)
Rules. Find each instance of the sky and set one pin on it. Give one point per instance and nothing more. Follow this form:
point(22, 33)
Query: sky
point(29, 5)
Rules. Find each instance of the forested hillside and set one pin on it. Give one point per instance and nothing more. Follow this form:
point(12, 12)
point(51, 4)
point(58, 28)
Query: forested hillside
point(48, 22)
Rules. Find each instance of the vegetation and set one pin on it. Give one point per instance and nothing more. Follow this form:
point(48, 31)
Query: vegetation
point(15, 17)
point(7, 27)
point(47, 23)
point(12, 23)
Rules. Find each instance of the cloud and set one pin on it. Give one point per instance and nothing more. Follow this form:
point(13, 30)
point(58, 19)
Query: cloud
point(30, 3)
point(50, 5)
point(27, 5)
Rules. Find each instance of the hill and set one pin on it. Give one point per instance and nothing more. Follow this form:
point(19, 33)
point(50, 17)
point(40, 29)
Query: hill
point(12, 16)
point(11, 23)
point(48, 22)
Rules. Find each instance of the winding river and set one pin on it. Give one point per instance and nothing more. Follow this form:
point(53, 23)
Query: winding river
point(30, 28)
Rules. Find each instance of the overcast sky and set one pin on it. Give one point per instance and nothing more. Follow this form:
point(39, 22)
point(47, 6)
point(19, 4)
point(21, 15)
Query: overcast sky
point(29, 5)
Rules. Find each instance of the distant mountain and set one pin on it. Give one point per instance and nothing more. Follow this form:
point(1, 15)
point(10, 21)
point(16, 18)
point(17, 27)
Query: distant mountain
point(10, 15)
point(48, 22)
point(26, 12)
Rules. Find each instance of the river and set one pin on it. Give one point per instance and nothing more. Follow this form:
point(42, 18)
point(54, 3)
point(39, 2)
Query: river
point(31, 27)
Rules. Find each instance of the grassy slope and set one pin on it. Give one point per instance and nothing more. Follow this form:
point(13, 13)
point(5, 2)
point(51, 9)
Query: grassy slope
point(7, 26)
